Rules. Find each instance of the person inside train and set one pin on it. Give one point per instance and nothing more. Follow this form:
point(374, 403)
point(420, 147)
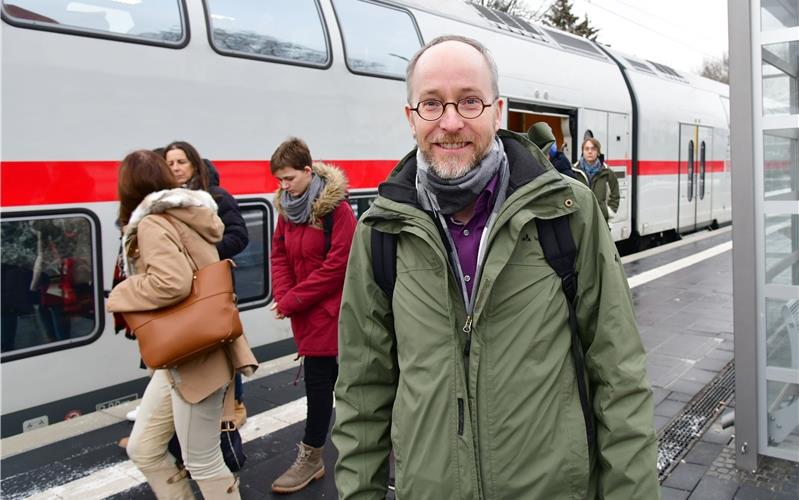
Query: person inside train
point(310, 249)
point(592, 171)
point(465, 370)
point(541, 135)
point(194, 172)
point(188, 399)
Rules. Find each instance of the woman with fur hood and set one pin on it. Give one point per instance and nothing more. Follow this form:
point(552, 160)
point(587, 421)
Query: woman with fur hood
point(162, 226)
point(308, 269)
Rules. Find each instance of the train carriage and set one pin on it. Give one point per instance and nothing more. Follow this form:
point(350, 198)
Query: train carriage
point(85, 82)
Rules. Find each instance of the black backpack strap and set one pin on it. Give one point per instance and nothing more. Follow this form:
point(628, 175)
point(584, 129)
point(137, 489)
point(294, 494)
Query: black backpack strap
point(560, 252)
point(384, 261)
point(327, 228)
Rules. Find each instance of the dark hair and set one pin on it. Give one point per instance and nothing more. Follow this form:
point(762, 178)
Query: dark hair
point(593, 141)
point(200, 178)
point(141, 172)
point(292, 152)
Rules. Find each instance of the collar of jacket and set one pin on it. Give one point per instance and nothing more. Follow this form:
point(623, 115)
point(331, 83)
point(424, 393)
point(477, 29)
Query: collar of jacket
point(529, 172)
point(332, 194)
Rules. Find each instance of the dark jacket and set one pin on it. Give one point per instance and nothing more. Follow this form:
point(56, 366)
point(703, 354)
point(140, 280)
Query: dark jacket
point(562, 164)
point(306, 282)
point(236, 236)
point(504, 422)
point(605, 186)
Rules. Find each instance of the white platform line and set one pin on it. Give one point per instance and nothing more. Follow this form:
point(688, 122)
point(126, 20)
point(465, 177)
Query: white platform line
point(659, 272)
point(107, 481)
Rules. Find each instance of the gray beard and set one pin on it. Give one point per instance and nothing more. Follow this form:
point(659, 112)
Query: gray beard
point(450, 173)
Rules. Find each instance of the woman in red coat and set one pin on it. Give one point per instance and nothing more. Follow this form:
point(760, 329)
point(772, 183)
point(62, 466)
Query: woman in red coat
point(308, 269)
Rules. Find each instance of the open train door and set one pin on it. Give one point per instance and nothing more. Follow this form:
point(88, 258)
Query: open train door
point(522, 116)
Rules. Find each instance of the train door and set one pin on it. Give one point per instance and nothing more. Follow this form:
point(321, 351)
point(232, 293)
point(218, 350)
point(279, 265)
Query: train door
point(693, 181)
point(617, 156)
point(522, 116)
point(594, 124)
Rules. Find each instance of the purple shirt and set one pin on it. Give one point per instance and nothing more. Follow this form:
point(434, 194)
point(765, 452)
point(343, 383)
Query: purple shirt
point(466, 237)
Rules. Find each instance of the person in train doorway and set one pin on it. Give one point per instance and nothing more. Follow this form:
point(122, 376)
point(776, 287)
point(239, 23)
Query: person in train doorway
point(465, 372)
point(186, 400)
point(310, 249)
point(194, 172)
point(592, 171)
point(541, 135)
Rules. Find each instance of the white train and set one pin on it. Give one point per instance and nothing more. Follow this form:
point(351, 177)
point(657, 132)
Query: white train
point(86, 82)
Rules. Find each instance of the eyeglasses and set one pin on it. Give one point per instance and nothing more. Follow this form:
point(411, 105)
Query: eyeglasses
point(433, 109)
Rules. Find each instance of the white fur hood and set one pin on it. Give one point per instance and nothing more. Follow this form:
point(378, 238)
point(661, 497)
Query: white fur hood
point(202, 219)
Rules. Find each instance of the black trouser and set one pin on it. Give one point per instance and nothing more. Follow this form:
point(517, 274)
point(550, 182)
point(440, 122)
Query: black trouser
point(320, 377)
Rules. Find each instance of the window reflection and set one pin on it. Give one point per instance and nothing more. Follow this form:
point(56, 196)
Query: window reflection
point(290, 30)
point(782, 249)
point(378, 40)
point(778, 14)
point(48, 286)
point(780, 79)
point(159, 20)
point(251, 264)
point(780, 164)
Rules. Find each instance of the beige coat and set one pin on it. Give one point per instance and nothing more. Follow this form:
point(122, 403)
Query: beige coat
point(160, 274)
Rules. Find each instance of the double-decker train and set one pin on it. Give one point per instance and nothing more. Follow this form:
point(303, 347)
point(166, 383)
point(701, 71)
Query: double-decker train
point(86, 81)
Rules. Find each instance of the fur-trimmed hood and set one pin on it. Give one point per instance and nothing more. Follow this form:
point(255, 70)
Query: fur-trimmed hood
point(196, 209)
point(335, 190)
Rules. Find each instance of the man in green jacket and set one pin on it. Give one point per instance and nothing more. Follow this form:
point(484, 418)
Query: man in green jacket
point(465, 371)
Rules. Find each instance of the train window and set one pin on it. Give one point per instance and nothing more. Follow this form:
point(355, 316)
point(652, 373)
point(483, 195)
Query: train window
point(281, 30)
point(575, 43)
point(378, 40)
point(361, 202)
point(50, 295)
point(253, 284)
point(150, 21)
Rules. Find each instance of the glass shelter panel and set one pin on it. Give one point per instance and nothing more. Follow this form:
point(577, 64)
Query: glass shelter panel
point(781, 164)
point(778, 14)
point(780, 79)
point(782, 249)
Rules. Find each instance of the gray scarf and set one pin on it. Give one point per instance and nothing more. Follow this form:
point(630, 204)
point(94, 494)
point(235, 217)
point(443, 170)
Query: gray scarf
point(298, 210)
point(449, 196)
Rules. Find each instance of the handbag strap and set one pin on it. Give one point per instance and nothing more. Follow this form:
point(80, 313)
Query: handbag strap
point(185, 247)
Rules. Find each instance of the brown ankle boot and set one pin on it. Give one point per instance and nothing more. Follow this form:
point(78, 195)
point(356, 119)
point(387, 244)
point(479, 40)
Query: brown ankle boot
point(307, 466)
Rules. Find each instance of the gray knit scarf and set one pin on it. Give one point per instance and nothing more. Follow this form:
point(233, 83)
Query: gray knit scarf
point(449, 196)
point(298, 210)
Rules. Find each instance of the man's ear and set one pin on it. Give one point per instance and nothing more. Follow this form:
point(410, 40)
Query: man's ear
point(409, 117)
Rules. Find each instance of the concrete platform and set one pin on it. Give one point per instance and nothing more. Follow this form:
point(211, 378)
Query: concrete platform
point(683, 300)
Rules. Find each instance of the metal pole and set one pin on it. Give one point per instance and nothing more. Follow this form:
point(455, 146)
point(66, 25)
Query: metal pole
point(745, 279)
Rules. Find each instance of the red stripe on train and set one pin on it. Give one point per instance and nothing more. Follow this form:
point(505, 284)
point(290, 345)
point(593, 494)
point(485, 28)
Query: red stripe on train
point(24, 183)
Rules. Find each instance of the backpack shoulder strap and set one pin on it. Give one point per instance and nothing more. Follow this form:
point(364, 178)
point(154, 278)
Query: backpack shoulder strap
point(560, 251)
point(327, 228)
point(384, 261)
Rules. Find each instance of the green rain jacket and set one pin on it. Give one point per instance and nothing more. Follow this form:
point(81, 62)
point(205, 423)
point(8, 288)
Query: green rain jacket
point(504, 421)
point(605, 186)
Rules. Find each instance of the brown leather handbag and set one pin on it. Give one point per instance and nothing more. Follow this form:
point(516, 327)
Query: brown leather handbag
point(207, 319)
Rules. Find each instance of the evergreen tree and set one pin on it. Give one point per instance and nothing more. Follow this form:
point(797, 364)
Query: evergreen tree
point(513, 7)
point(560, 16)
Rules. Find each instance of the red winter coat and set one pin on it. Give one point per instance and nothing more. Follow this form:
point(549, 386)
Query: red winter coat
point(306, 283)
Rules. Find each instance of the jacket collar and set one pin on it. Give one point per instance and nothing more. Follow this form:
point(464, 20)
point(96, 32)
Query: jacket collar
point(334, 191)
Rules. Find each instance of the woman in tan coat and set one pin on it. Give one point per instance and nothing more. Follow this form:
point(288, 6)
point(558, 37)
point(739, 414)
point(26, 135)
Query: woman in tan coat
point(186, 400)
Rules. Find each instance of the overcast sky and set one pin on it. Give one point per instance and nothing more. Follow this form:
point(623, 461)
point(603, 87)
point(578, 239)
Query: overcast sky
point(679, 33)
